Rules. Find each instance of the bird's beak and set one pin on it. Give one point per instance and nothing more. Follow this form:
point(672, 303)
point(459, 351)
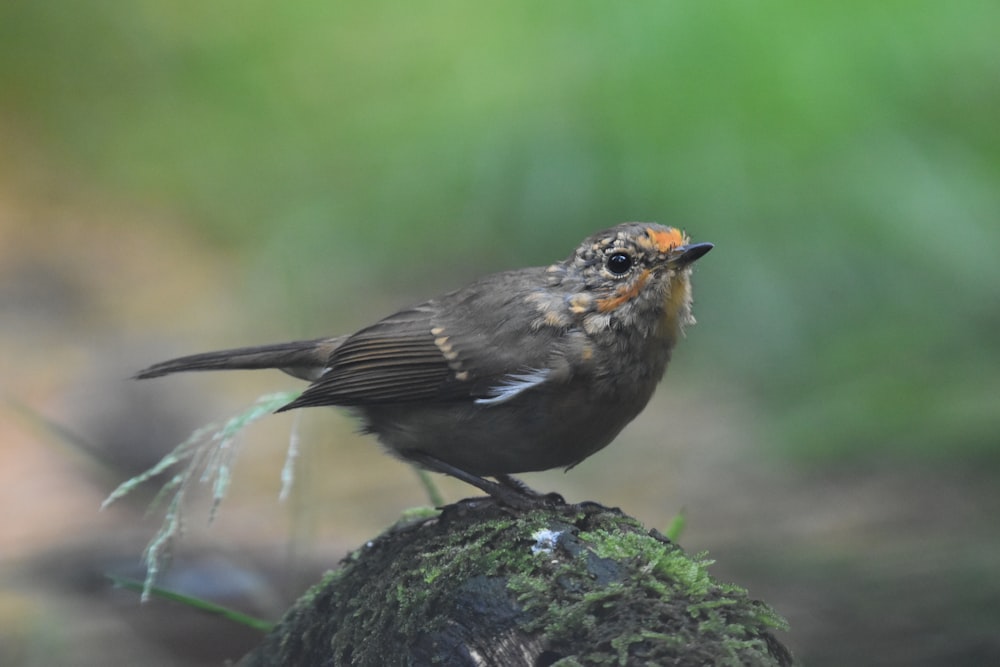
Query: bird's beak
point(683, 255)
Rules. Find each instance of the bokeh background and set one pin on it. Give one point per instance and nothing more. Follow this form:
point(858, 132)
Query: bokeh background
point(176, 177)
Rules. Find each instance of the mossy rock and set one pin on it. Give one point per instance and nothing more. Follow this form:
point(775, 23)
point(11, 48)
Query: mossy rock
point(479, 584)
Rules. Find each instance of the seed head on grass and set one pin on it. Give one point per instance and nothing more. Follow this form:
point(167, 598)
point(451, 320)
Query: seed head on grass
point(206, 457)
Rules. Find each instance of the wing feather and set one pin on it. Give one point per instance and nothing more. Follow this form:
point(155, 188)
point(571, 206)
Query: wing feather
point(412, 356)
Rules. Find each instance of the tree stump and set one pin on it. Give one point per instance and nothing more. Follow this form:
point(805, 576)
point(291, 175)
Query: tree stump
point(480, 584)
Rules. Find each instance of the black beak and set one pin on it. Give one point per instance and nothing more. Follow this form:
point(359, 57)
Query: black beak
point(686, 254)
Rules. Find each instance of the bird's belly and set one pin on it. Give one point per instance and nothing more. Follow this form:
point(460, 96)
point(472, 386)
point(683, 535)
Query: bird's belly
point(529, 433)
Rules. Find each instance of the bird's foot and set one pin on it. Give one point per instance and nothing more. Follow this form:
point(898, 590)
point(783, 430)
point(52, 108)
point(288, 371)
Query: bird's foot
point(506, 490)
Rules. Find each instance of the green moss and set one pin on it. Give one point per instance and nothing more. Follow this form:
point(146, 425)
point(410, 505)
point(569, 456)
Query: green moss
point(586, 585)
point(671, 601)
point(420, 577)
point(417, 515)
point(567, 662)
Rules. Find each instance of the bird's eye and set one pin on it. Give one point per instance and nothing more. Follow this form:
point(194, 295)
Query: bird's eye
point(619, 263)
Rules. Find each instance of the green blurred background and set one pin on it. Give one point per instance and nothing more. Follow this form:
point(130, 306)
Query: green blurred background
point(244, 172)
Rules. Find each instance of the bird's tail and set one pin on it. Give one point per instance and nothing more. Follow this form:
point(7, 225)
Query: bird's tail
point(305, 359)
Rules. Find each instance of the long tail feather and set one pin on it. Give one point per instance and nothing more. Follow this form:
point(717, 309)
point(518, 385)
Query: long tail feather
point(305, 359)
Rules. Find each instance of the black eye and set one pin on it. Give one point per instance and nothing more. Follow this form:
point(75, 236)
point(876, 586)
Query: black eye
point(619, 263)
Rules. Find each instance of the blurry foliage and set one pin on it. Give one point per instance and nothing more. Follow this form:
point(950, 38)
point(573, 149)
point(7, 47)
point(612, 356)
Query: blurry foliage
point(845, 158)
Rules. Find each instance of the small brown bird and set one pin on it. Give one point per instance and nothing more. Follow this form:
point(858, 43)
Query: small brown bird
point(523, 370)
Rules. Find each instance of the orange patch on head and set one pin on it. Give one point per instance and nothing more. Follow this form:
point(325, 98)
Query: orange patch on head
point(667, 239)
point(623, 294)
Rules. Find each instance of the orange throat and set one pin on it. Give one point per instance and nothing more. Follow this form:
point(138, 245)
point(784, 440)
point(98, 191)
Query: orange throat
point(677, 307)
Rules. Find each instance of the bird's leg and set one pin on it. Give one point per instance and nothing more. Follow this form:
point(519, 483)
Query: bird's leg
point(514, 483)
point(510, 492)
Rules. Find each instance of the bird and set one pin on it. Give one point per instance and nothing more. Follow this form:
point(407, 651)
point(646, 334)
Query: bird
point(524, 370)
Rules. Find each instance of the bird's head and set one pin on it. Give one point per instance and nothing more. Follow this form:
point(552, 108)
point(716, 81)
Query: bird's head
point(635, 275)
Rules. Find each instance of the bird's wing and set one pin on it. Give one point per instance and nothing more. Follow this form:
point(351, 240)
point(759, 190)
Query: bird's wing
point(483, 349)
